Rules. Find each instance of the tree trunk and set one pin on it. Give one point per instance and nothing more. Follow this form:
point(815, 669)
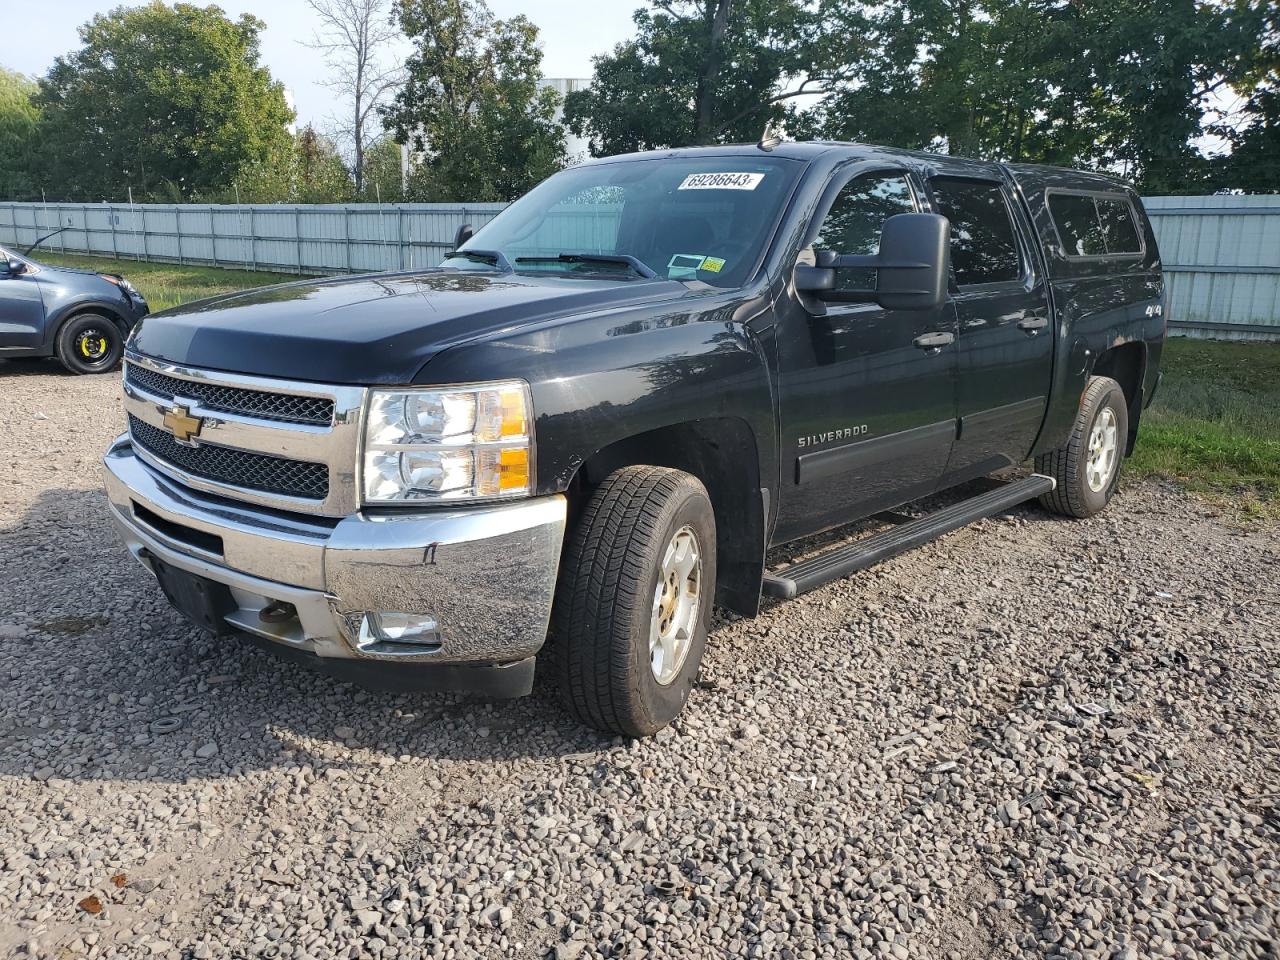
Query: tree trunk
point(716, 15)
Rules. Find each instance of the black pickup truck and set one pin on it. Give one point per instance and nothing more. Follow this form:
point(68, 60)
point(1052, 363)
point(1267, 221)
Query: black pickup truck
point(598, 415)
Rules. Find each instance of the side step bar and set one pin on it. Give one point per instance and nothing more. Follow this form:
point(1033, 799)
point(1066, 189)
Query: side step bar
point(849, 558)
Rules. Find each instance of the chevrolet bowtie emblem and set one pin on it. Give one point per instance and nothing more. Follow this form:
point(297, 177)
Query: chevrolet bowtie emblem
point(183, 426)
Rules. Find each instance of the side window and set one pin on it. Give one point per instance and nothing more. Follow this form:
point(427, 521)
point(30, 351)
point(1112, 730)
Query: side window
point(857, 216)
point(1076, 218)
point(1094, 225)
point(853, 223)
point(984, 248)
point(1118, 226)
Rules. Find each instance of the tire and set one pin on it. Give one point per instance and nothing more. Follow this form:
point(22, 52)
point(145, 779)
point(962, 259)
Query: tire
point(613, 591)
point(1086, 478)
point(90, 343)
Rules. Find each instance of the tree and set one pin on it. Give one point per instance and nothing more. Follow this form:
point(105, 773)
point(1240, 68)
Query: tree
point(311, 171)
point(1119, 85)
point(18, 118)
point(698, 71)
point(471, 109)
point(168, 101)
point(354, 36)
point(382, 179)
point(1253, 129)
point(321, 176)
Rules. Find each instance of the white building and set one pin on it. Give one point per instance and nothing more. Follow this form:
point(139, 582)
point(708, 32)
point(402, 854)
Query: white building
point(575, 147)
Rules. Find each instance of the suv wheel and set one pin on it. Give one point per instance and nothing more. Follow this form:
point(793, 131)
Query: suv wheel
point(90, 343)
point(635, 599)
point(1087, 469)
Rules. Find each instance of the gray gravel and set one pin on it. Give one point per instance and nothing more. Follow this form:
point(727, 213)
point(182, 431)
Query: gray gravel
point(1034, 738)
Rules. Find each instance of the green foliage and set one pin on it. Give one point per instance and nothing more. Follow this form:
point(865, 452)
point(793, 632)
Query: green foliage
point(321, 176)
point(382, 180)
point(1215, 424)
point(170, 101)
point(310, 170)
point(1125, 86)
point(1119, 85)
point(18, 116)
point(470, 107)
point(1253, 132)
point(698, 71)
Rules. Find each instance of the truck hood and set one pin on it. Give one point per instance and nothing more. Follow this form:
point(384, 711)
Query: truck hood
point(372, 329)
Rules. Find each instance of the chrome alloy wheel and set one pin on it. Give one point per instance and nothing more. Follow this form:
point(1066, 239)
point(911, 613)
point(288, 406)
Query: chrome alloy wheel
point(1104, 446)
point(676, 602)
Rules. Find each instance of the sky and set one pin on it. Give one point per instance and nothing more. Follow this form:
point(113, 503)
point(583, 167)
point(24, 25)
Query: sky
point(572, 32)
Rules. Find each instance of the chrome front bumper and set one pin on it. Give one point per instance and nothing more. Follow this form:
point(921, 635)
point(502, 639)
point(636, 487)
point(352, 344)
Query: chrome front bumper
point(487, 575)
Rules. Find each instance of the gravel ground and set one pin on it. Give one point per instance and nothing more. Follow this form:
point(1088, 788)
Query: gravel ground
point(1034, 738)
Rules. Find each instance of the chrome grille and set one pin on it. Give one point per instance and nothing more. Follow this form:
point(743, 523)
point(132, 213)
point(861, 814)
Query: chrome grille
point(253, 471)
point(282, 407)
point(252, 453)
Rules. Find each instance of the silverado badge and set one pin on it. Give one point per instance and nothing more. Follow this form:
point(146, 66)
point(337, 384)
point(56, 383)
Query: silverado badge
point(184, 427)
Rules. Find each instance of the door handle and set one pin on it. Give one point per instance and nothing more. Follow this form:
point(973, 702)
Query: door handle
point(1033, 324)
point(934, 341)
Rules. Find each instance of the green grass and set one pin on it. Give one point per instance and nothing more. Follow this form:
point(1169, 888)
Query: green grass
point(1214, 427)
point(167, 284)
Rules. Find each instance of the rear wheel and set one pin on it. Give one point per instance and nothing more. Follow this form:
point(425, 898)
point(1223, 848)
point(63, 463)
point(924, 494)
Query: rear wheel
point(1087, 468)
point(90, 343)
point(635, 599)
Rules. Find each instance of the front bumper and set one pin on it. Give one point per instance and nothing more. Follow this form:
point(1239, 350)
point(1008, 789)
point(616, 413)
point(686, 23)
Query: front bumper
point(486, 575)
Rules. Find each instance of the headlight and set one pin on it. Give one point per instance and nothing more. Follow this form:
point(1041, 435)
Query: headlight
point(455, 443)
point(123, 284)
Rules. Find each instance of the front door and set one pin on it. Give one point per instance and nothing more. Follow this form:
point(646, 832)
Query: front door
point(865, 394)
point(21, 308)
point(1005, 327)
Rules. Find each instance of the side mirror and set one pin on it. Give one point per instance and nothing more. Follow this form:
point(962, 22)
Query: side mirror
point(14, 267)
point(465, 233)
point(911, 267)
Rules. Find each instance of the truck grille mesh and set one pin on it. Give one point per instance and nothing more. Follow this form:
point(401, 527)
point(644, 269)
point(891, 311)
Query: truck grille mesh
point(240, 468)
point(284, 407)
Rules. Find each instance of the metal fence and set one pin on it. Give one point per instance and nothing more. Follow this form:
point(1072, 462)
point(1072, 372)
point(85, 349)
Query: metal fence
point(1221, 259)
point(302, 238)
point(1221, 253)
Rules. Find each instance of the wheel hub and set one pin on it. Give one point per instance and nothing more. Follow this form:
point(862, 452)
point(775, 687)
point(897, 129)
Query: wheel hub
point(676, 602)
point(1104, 445)
point(92, 344)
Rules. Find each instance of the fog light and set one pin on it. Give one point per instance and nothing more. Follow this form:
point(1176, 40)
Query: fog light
point(400, 628)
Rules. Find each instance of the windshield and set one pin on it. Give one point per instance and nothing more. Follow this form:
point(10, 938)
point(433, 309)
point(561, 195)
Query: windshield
point(679, 218)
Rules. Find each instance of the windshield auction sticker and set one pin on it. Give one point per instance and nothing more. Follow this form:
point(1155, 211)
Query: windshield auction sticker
point(721, 181)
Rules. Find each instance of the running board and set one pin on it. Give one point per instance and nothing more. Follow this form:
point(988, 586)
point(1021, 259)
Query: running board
point(849, 558)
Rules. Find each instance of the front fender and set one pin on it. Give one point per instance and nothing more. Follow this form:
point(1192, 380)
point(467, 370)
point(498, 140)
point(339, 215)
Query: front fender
point(599, 380)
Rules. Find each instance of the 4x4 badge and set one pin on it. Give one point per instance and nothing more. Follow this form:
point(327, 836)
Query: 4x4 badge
point(183, 426)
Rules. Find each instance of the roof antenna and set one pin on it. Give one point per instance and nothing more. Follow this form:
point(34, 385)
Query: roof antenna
point(772, 136)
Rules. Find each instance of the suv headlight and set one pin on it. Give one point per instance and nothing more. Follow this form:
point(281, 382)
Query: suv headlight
point(448, 443)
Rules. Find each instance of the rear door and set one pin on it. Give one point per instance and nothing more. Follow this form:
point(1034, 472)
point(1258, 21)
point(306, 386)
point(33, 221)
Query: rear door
point(1005, 328)
point(21, 308)
point(866, 401)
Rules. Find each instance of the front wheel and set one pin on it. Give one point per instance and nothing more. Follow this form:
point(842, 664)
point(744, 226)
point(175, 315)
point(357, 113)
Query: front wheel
point(90, 343)
point(1087, 468)
point(635, 599)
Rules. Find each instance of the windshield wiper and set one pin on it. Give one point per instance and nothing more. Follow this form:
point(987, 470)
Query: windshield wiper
point(496, 257)
point(639, 266)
